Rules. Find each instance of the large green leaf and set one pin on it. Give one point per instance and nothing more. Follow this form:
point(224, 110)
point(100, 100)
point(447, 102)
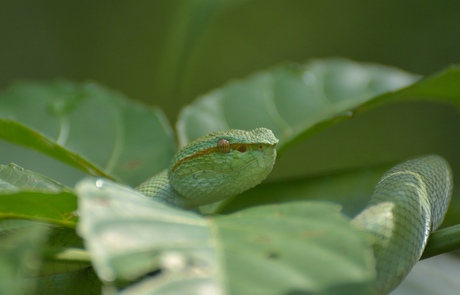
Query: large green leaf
point(129, 235)
point(299, 246)
point(18, 133)
point(88, 126)
point(292, 100)
point(28, 195)
point(294, 247)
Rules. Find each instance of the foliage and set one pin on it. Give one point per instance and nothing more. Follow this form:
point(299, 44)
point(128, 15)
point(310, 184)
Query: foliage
point(278, 238)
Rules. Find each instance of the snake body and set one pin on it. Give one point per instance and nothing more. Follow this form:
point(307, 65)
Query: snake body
point(408, 203)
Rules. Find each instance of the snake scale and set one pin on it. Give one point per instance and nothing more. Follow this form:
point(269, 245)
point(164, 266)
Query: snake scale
point(408, 203)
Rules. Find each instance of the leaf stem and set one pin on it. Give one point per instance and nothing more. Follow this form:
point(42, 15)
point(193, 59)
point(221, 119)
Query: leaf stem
point(442, 241)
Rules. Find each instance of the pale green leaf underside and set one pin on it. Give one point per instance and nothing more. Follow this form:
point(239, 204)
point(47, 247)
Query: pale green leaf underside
point(129, 235)
point(14, 178)
point(297, 245)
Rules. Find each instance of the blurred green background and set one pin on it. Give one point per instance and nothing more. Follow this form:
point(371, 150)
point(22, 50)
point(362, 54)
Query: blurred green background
point(166, 53)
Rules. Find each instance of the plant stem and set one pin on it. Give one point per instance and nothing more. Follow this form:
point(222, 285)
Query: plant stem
point(442, 241)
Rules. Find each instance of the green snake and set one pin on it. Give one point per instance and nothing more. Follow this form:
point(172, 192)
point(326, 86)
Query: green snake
point(407, 205)
point(214, 167)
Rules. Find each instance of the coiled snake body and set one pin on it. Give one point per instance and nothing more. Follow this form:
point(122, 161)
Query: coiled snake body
point(407, 205)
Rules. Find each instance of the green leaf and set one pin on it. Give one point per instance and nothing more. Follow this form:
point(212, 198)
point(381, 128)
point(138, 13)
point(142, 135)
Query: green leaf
point(294, 247)
point(89, 127)
point(443, 87)
point(15, 178)
point(292, 100)
point(17, 133)
point(126, 232)
point(20, 256)
point(28, 195)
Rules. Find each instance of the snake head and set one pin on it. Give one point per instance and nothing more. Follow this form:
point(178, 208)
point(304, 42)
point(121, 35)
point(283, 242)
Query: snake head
point(222, 164)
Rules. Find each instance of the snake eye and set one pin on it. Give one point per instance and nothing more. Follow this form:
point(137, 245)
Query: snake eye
point(223, 146)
